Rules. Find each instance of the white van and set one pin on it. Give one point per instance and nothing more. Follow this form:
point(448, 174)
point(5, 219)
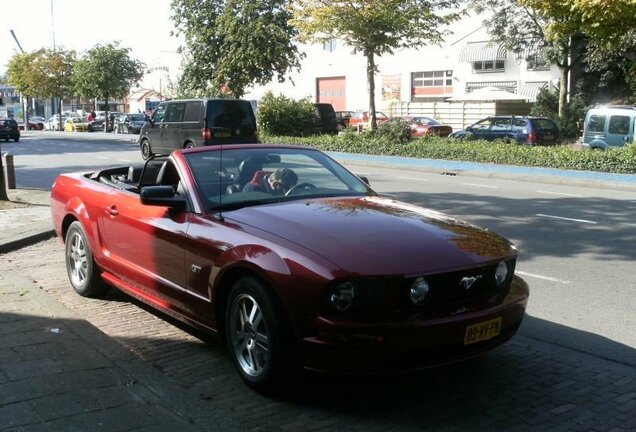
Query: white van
point(609, 126)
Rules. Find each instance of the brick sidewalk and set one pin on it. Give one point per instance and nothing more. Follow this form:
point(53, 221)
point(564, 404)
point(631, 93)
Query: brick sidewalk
point(60, 373)
point(526, 385)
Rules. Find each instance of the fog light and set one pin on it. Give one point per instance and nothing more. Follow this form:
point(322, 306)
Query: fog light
point(342, 296)
point(419, 291)
point(501, 273)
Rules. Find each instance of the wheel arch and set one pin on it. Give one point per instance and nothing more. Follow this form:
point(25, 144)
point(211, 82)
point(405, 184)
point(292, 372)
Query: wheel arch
point(225, 282)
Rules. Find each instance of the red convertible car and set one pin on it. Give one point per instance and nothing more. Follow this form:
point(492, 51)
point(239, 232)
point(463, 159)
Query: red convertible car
point(425, 126)
point(290, 258)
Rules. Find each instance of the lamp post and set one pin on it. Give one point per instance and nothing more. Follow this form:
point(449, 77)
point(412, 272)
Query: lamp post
point(25, 99)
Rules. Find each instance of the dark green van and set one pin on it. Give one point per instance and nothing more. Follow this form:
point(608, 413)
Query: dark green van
point(197, 122)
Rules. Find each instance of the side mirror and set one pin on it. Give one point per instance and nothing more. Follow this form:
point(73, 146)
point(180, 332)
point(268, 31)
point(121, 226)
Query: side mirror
point(162, 196)
point(469, 129)
point(365, 179)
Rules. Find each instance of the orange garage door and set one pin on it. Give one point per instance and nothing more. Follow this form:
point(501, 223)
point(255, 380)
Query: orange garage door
point(331, 90)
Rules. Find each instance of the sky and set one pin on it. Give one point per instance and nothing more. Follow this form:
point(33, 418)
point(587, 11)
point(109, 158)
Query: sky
point(142, 25)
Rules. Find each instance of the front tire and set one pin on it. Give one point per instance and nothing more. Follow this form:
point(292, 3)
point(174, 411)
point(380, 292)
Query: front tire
point(258, 340)
point(80, 267)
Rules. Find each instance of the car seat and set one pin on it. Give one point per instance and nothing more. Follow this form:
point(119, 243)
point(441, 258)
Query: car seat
point(168, 175)
point(246, 171)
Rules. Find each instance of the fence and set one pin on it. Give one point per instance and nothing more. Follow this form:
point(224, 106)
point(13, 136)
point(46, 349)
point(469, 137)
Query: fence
point(458, 114)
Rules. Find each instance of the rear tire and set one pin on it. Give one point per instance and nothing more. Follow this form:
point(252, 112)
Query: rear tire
point(146, 151)
point(80, 267)
point(14, 139)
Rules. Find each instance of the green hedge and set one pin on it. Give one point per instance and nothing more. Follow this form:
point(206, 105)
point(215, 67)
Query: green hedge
point(563, 157)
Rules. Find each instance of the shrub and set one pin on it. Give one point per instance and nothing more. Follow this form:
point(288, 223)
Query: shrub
point(547, 105)
point(280, 115)
point(394, 130)
point(563, 157)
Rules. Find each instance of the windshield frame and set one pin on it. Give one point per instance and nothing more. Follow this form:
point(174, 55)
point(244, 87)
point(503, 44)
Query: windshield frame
point(211, 186)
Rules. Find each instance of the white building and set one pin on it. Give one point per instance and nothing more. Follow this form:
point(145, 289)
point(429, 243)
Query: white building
point(466, 61)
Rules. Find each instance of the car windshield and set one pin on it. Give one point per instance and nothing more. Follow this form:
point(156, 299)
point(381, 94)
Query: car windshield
point(229, 179)
point(545, 124)
point(426, 121)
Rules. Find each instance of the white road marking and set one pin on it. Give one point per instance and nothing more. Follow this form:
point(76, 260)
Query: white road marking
point(567, 219)
point(548, 278)
point(124, 160)
point(414, 178)
point(480, 185)
point(561, 194)
point(102, 157)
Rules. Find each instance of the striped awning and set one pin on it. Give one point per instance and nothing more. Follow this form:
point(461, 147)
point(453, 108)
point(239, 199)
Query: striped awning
point(531, 89)
point(482, 51)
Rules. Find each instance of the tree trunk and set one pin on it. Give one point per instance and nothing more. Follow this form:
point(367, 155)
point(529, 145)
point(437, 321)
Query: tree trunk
point(563, 90)
point(3, 186)
point(371, 82)
point(59, 113)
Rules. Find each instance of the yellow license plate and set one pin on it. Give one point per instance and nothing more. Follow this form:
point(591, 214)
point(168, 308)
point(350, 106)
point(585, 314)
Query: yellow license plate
point(482, 331)
point(222, 135)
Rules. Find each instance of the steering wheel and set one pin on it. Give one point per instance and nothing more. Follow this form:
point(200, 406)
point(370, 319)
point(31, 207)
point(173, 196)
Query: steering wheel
point(299, 187)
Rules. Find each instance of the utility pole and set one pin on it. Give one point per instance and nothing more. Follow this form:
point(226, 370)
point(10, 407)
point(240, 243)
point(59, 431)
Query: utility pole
point(24, 97)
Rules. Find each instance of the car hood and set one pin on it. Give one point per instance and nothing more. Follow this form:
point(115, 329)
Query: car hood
point(377, 236)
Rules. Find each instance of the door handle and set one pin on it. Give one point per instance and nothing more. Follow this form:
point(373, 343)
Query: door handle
point(112, 210)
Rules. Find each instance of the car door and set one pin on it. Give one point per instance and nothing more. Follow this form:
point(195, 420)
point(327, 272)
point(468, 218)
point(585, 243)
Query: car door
point(153, 132)
point(144, 245)
point(501, 128)
point(481, 129)
point(171, 133)
point(618, 131)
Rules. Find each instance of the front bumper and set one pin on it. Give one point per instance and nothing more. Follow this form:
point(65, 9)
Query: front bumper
point(353, 348)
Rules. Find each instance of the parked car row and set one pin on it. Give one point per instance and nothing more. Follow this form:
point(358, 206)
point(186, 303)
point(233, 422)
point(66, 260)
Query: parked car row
point(118, 122)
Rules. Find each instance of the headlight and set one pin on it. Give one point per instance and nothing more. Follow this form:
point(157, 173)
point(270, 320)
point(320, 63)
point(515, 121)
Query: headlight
point(341, 298)
point(419, 291)
point(501, 273)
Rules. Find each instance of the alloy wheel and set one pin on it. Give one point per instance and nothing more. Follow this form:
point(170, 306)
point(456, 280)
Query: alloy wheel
point(249, 335)
point(77, 260)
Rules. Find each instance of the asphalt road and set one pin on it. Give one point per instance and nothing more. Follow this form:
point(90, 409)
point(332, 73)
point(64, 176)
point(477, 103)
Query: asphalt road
point(577, 244)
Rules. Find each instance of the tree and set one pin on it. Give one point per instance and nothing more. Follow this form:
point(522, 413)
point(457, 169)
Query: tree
point(374, 28)
point(106, 71)
point(519, 26)
point(44, 73)
point(602, 21)
point(609, 25)
point(233, 44)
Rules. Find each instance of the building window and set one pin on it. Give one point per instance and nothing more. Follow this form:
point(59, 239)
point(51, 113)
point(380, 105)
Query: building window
point(537, 62)
point(489, 66)
point(431, 84)
point(330, 45)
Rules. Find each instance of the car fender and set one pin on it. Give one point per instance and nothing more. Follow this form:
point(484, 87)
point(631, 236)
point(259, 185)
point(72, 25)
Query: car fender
point(76, 208)
point(252, 257)
point(280, 273)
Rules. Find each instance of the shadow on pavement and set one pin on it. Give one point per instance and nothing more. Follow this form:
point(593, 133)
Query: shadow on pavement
point(527, 384)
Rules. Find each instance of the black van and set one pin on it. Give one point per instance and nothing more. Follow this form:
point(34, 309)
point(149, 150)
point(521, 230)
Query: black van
point(325, 121)
point(197, 122)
